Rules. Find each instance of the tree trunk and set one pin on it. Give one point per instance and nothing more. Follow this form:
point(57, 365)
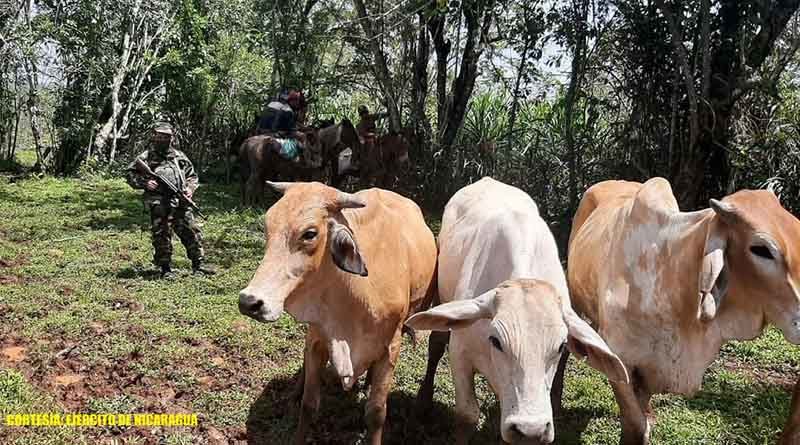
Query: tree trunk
point(512, 117)
point(436, 27)
point(464, 83)
point(419, 90)
point(32, 75)
point(381, 66)
point(575, 79)
point(34, 114)
point(108, 128)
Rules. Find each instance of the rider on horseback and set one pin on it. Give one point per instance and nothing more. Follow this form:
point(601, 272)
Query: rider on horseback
point(367, 131)
point(280, 120)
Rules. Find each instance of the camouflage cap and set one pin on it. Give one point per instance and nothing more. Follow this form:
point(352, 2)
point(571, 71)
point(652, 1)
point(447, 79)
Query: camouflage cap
point(163, 128)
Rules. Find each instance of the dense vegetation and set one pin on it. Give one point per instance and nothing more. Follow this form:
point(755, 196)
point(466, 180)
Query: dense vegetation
point(551, 96)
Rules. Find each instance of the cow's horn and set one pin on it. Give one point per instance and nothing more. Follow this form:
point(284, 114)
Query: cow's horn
point(280, 187)
point(726, 211)
point(349, 201)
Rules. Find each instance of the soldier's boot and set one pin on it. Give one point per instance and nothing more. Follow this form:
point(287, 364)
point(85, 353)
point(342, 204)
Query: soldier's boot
point(167, 273)
point(200, 268)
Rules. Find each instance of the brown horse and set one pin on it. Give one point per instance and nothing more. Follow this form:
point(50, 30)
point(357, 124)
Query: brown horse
point(259, 161)
point(381, 159)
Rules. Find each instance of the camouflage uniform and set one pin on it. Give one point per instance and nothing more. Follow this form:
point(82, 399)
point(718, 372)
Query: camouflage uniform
point(166, 211)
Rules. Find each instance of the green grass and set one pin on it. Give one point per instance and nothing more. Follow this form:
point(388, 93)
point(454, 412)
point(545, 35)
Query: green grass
point(78, 292)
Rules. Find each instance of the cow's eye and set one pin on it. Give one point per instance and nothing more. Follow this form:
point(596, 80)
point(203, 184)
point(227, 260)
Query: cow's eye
point(762, 251)
point(496, 343)
point(309, 235)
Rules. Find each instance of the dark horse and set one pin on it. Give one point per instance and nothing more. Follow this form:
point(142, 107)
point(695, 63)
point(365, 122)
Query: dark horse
point(259, 161)
point(380, 160)
point(333, 140)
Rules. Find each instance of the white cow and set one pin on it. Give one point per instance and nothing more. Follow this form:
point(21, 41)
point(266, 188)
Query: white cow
point(505, 296)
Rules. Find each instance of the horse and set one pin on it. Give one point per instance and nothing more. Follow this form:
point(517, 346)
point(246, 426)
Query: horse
point(259, 160)
point(333, 140)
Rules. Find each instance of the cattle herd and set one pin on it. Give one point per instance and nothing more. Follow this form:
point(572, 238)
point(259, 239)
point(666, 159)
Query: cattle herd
point(649, 296)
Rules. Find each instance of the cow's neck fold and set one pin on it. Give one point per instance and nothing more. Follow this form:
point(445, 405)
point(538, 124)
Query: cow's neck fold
point(737, 318)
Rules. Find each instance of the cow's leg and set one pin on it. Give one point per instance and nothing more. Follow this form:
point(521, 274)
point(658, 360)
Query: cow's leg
point(380, 385)
point(299, 384)
point(250, 190)
point(635, 428)
point(316, 356)
point(467, 410)
point(260, 195)
point(243, 190)
point(437, 343)
point(791, 431)
point(557, 389)
point(244, 176)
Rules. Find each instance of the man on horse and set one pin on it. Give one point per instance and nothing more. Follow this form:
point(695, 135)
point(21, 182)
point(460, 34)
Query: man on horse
point(284, 120)
point(367, 130)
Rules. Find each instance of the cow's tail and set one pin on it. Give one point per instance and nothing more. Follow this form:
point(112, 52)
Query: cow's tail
point(431, 298)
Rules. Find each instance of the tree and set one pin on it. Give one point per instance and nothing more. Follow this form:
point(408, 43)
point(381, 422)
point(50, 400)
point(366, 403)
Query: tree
point(452, 104)
point(141, 43)
point(695, 61)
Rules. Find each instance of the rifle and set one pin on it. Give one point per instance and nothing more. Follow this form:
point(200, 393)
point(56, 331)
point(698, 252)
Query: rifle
point(143, 168)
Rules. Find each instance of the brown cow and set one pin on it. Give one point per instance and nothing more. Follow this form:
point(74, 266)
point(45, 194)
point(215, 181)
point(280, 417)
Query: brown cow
point(352, 266)
point(666, 288)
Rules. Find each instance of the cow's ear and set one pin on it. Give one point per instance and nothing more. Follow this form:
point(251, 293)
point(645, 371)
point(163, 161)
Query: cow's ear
point(713, 279)
point(584, 341)
point(344, 250)
point(455, 314)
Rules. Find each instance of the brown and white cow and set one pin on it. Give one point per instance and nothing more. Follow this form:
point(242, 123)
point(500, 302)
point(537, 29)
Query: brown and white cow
point(666, 289)
point(352, 266)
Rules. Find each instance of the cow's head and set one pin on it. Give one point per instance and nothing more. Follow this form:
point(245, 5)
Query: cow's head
point(754, 247)
point(529, 330)
point(307, 240)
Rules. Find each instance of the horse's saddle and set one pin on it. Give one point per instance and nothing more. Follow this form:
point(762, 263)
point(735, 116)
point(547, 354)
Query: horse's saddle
point(287, 148)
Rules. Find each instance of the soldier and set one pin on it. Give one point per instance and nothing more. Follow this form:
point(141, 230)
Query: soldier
point(167, 213)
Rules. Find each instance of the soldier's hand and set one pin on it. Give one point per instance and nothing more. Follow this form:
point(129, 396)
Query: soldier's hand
point(151, 185)
point(188, 193)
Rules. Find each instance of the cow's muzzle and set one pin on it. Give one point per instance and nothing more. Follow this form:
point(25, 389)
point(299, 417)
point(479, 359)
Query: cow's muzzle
point(523, 430)
point(254, 307)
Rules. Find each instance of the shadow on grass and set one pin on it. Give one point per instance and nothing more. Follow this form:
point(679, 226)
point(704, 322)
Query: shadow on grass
point(572, 423)
point(147, 274)
point(274, 415)
point(273, 419)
